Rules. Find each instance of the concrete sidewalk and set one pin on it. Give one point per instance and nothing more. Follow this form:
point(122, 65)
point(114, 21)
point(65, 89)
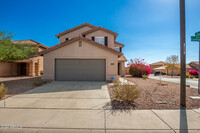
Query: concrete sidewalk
point(192, 82)
point(98, 121)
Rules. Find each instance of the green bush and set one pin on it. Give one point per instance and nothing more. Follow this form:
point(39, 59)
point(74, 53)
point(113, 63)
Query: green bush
point(127, 93)
point(3, 90)
point(190, 76)
point(145, 76)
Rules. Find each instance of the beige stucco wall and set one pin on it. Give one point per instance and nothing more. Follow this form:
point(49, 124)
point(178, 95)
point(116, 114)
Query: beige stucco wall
point(122, 65)
point(74, 33)
point(8, 69)
point(101, 33)
point(155, 66)
point(73, 51)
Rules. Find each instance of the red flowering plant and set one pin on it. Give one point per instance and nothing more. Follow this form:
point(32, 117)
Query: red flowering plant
point(193, 72)
point(138, 67)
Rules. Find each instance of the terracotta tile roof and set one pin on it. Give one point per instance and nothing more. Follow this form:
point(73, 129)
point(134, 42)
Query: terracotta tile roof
point(30, 41)
point(75, 28)
point(120, 44)
point(79, 38)
point(100, 28)
point(28, 60)
point(158, 63)
point(194, 62)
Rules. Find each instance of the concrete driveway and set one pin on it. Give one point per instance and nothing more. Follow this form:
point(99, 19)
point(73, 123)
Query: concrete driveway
point(63, 95)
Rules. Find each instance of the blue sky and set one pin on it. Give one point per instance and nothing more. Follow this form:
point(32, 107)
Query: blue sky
point(148, 28)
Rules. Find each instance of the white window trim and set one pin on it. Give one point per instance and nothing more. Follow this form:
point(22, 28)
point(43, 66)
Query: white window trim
point(100, 37)
point(118, 48)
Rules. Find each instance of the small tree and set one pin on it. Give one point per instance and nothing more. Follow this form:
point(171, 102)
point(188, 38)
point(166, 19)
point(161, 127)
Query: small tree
point(171, 63)
point(10, 51)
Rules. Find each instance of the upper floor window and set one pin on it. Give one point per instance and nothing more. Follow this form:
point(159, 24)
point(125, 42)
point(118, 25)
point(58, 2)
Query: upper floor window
point(100, 40)
point(118, 49)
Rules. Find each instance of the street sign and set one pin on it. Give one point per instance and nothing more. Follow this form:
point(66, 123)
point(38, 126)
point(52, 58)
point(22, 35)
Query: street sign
point(195, 38)
point(197, 34)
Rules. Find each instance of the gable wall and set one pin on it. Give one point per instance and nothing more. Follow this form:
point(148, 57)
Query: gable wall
point(101, 33)
point(73, 51)
point(74, 33)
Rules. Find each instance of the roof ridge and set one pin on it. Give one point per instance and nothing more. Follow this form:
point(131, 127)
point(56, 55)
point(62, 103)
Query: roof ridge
point(99, 27)
point(74, 28)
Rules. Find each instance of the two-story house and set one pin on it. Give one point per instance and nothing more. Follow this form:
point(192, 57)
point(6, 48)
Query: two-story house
point(85, 53)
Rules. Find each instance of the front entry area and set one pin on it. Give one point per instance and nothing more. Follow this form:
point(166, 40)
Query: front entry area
point(22, 69)
point(80, 69)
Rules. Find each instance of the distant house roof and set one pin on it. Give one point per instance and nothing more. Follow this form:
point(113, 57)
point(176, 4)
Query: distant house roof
point(79, 38)
point(194, 62)
point(100, 28)
point(160, 68)
point(30, 41)
point(177, 66)
point(75, 28)
point(158, 63)
point(194, 65)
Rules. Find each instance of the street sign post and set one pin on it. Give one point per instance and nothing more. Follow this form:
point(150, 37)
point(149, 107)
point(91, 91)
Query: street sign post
point(196, 38)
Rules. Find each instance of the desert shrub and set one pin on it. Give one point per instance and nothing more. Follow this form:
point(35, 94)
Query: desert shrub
point(127, 93)
point(3, 90)
point(116, 82)
point(138, 67)
point(193, 72)
point(38, 82)
point(189, 76)
point(144, 76)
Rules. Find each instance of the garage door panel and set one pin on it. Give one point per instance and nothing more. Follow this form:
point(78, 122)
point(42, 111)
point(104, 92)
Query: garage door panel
point(80, 70)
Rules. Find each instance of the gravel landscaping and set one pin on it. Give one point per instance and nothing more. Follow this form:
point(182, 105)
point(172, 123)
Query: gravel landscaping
point(156, 96)
point(21, 85)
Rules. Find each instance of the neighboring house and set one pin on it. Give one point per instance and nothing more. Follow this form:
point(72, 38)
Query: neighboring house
point(32, 66)
point(177, 71)
point(85, 53)
point(156, 65)
point(194, 65)
point(161, 66)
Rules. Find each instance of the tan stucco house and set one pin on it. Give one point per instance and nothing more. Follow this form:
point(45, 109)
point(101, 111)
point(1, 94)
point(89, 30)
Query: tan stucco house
point(156, 65)
point(32, 66)
point(162, 66)
point(85, 53)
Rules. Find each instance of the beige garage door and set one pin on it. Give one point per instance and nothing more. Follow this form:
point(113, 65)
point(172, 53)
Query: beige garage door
point(80, 70)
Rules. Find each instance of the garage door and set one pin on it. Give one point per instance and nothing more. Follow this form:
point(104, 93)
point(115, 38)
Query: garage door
point(80, 70)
